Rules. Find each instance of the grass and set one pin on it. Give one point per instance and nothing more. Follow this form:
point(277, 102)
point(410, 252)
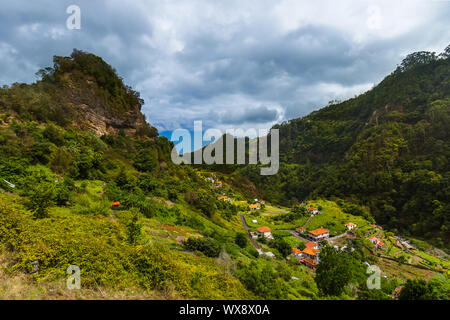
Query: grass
point(333, 219)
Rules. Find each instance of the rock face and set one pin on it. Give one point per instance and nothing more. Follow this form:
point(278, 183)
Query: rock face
point(99, 121)
point(89, 94)
point(94, 110)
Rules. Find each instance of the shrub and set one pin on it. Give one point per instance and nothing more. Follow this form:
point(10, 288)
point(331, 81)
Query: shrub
point(208, 246)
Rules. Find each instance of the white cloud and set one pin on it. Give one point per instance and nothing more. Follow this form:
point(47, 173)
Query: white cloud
point(221, 61)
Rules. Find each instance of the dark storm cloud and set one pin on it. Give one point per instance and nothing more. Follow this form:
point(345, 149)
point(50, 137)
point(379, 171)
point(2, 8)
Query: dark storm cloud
point(227, 63)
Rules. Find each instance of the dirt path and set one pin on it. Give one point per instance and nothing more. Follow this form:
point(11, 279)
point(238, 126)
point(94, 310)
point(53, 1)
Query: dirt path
point(308, 221)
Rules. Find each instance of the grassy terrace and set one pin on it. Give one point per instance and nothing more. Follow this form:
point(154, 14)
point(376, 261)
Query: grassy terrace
point(332, 218)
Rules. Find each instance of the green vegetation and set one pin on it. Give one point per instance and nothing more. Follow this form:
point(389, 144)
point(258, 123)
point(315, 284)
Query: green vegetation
point(167, 234)
point(386, 149)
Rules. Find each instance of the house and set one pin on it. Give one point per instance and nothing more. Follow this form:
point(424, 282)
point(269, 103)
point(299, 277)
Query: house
point(300, 229)
point(296, 252)
point(350, 226)
point(261, 202)
point(264, 232)
point(312, 245)
point(397, 292)
point(377, 242)
point(255, 221)
point(217, 184)
point(310, 263)
point(254, 206)
point(223, 198)
point(313, 210)
point(319, 234)
point(311, 253)
point(115, 205)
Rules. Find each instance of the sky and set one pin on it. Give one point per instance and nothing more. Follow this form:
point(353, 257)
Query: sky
point(232, 64)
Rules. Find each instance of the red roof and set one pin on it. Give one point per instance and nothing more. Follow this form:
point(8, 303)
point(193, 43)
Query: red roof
point(311, 244)
point(310, 251)
point(116, 203)
point(319, 231)
point(310, 262)
point(295, 251)
point(263, 229)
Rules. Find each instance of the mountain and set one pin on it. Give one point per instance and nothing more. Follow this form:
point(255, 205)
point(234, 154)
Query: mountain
point(387, 149)
point(87, 184)
point(81, 90)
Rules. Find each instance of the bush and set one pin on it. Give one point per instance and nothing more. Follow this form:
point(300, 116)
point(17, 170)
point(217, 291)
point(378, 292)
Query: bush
point(241, 239)
point(208, 246)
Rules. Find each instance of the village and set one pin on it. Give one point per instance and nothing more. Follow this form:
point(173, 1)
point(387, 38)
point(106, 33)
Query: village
point(324, 224)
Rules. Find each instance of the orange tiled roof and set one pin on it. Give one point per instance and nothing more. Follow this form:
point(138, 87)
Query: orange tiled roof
point(311, 244)
point(312, 208)
point(253, 206)
point(222, 197)
point(319, 231)
point(263, 229)
point(350, 224)
point(310, 251)
point(300, 229)
point(116, 203)
point(295, 251)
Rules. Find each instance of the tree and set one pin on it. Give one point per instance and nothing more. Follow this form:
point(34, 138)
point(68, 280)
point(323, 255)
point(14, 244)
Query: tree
point(40, 198)
point(208, 246)
point(134, 230)
point(283, 247)
point(241, 239)
point(416, 290)
point(333, 272)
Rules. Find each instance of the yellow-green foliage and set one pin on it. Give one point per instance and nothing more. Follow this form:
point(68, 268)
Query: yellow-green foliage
point(97, 244)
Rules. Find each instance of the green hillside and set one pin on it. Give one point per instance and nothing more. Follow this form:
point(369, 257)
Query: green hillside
point(85, 181)
point(387, 149)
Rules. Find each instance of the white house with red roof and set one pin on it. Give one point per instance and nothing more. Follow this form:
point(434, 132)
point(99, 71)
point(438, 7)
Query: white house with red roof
point(319, 234)
point(264, 232)
point(377, 242)
point(312, 245)
point(350, 226)
point(309, 257)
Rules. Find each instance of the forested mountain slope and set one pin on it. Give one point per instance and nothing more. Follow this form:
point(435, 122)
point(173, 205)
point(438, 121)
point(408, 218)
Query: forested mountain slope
point(388, 148)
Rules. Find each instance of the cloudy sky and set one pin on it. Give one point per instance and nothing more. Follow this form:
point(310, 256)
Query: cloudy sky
point(233, 63)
